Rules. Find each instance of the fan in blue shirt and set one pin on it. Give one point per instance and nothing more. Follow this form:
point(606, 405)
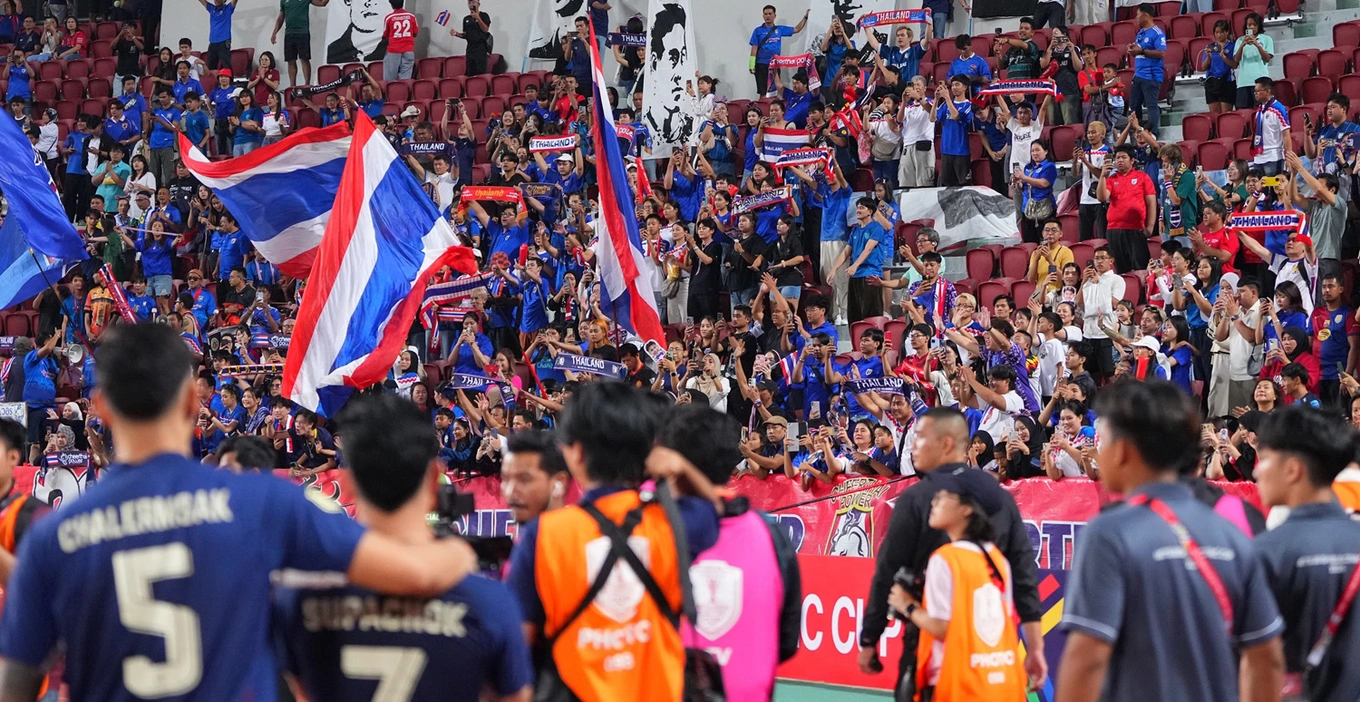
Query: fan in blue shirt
point(165, 542)
point(20, 78)
point(970, 65)
point(958, 120)
point(195, 121)
point(219, 19)
point(506, 236)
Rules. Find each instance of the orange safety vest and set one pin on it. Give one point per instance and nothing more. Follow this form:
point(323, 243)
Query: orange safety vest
point(9, 541)
point(1347, 489)
point(982, 659)
point(621, 647)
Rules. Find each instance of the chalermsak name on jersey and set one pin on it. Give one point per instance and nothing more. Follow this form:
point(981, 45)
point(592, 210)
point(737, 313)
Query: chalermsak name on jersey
point(385, 614)
point(145, 515)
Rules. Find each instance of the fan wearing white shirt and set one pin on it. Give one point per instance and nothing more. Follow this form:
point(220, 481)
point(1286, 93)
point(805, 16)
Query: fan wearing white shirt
point(1101, 288)
point(997, 400)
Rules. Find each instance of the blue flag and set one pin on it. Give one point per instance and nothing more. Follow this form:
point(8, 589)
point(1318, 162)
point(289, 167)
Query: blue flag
point(23, 272)
point(32, 197)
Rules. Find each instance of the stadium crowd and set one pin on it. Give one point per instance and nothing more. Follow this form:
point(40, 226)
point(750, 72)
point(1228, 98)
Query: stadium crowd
point(794, 297)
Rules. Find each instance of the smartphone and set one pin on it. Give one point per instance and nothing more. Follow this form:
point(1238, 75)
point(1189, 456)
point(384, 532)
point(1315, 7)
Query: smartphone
point(1340, 368)
point(998, 31)
point(1052, 268)
point(259, 296)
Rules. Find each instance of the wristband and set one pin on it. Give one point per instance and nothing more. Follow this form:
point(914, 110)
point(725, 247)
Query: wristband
point(753, 63)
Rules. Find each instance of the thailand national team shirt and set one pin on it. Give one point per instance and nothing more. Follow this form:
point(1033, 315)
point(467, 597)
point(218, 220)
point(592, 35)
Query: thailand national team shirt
point(400, 29)
point(1328, 138)
point(223, 106)
point(1146, 67)
point(770, 41)
point(973, 67)
point(506, 240)
point(835, 206)
point(179, 557)
point(1131, 586)
point(163, 137)
point(954, 130)
point(906, 61)
point(219, 22)
point(182, 88)
point(1332, 337)
point(447, 648)
point(195, 125)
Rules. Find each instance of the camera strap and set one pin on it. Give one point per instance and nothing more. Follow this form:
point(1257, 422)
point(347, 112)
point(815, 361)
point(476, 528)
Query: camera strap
point(617, 535)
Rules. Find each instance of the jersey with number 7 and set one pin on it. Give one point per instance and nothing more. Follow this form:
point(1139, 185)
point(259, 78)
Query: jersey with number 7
point(159, 581)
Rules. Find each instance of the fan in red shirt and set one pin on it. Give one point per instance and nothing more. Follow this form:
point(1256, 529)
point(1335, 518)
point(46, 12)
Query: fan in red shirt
point(399, 30)
point(1216, 240)
point(1129, 220)
point(919, 365)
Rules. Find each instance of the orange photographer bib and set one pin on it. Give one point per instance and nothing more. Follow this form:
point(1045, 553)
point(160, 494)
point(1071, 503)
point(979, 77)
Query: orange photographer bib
point(982, 659)
point(621, 647)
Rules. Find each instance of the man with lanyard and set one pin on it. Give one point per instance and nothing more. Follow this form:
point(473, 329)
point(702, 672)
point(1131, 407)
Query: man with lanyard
point(1336, 338)
point(1141, 622)
point(607, 434)
point(933, 293)
point(1330, 146)
point(767, 42)
point(1270, 138)
point(1149, 51)
point(941, 444)
point(1310, 558)
point(1180, 199)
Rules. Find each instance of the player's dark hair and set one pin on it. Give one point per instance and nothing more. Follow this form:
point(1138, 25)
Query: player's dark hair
point(253, 453)
point(615, 424)
point(705, 437)
point(12, 436)
point(542, 443)
point(1159, 419)
point(141, 369)
point(389, 443)
point(1324, 445)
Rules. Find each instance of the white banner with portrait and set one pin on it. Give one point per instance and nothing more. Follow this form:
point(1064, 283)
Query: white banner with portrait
point(668, 110)
point(961, 215)
point(354, 31)
point(549, 25)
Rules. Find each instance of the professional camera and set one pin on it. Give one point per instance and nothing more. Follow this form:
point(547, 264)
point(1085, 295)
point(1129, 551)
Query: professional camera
point(493, 552)
point(911, 581)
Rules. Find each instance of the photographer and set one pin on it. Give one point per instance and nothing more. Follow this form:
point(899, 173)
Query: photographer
point(965, 664)
point(941, 444)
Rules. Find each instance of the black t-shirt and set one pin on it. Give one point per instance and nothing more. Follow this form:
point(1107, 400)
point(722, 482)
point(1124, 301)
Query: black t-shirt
point(305, 450)
point(478, 41)
point(706, 277)
point(1068, 67)
point(182, 193)
point(129, 58)
point(786, 248)
point(642, 378)
point(497, 178)
point(740, 276)
point(231, 297)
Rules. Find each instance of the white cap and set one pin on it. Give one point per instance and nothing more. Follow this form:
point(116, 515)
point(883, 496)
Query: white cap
point(1149, 343)
point(410, 111)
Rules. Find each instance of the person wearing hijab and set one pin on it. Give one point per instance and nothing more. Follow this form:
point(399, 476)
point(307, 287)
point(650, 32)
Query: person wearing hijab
point(1294, 347)
point(982, 453)
point(1024, 450)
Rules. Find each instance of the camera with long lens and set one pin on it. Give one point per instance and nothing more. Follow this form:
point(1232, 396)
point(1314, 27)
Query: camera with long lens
point(493, 552)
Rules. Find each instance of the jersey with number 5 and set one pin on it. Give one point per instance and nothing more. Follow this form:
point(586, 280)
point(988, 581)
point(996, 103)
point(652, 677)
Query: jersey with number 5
point(158, 581)
point(352, 645)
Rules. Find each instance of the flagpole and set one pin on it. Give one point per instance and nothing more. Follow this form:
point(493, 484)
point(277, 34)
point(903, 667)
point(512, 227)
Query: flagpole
point(85, 341)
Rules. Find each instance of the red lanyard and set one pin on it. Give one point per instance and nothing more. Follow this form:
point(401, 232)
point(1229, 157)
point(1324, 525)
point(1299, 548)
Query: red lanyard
point(1334, 622)
point(1193, 552)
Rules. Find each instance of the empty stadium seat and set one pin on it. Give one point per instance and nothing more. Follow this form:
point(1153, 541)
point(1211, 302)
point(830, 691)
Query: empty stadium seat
point(430, 68)
point(424, 89)
point(1197, 127)
point(1123, 33)
point(1300, 64)
point(1346, 34)
point(1021, 291)
point(241, 61)
point(48, 70)
point(1082, 252)
point(1286, 91)
point(451, 87)
point(504, 84)
point(1230, 125)
point(455, 66)
point(1207, 20)
point(1316, 89)
point(1014, 262)
point(1332, 63)
point(1096, 34)
point(327, 73)
point(477, 86)
point(79, 69)
point(103, 67)
point(101, 49)
point(99, 88)
point(1212, 156)
point(397, 91)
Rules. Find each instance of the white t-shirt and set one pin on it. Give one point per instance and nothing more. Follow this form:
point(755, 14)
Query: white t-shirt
point(1295, 272)
point(47, 140)
point(1272, 136)
point(1089, 177)
point(1239, 347)
point(443, 186)
point(1021, 138)
point(1052, 355)
point(1097, 304)
point(272, 124)
point(999, 423)
point(887, 143)
point(1066, 464)
point(903, 447)
point(916, 124)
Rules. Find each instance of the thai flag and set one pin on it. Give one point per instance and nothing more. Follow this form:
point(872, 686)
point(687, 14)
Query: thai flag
point(777, 141)
point(23, 271)
point(449, 293)
point(627, 295)
point(383, 242)
point(281, 194)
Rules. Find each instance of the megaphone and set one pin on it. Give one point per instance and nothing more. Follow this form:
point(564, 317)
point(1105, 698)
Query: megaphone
point(75, 354)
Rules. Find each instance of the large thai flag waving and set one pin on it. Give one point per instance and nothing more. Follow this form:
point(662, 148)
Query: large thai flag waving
point(281, 194)
point(627, 294)
point(383, 241)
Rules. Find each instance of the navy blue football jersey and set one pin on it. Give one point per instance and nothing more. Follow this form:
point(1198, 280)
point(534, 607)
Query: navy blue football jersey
point(351, 645)
point(158, 580)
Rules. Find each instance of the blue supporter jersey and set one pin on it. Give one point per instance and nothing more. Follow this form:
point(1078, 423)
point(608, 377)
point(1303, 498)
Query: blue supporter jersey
point(178, 557)
point(444, 649)
point(954, 130)
point(1154, 39)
